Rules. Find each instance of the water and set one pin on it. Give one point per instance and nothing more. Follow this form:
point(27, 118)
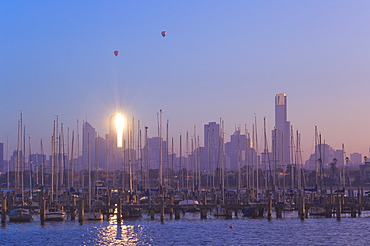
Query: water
point(190, 230)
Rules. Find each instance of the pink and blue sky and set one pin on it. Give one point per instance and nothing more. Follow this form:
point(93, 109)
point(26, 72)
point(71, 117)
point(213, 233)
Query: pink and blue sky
point(220, 59)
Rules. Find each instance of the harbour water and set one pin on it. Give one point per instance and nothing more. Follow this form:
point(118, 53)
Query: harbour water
point(190, 230)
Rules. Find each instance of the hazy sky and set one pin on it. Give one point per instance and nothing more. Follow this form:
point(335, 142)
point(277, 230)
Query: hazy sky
point(220, 59)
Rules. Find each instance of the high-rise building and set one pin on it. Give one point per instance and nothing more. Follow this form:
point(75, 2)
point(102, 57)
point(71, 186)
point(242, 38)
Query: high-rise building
point(88, 146)
point(236, 150)
point(2, 168)
point(212, 146)
point(356, 159)
point(114, 153)
point(281, 133)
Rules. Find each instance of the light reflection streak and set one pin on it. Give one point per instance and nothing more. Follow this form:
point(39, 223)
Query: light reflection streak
point(114, 234)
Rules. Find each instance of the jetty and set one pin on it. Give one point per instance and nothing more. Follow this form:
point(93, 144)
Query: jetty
point(121, 204)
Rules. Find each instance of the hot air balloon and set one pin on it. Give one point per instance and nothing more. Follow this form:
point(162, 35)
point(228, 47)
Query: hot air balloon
point(116, 52)
point(164, 33)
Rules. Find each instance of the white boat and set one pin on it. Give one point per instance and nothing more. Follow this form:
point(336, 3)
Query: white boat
point(189, 202)
point(94, 215)
point(20, 215)
point(219, 211)
point(190, 205)
point(317, 211)
point(55, 214)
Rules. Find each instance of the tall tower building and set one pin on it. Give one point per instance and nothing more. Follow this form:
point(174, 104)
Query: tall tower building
point(88, 146)
point(212, 146)
point(281, 133)
point(2, 157)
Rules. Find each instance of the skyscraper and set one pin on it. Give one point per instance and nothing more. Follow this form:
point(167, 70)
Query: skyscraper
point(88, 146)
point(212, 146)
point(281, 133)
point(2, 157)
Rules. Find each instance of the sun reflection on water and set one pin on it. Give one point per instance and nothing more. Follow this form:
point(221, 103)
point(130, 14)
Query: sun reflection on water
point(113, 234)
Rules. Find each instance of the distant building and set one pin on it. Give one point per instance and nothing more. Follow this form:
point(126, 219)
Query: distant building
point(281, 133)
point(355, 159)
point(88, 146)
point(365, 172)
point(2, 168)
point(236, 150)
point(323, 155)
point(212, 146)
point(154, 156)
point(100, 154)
point(339, 155)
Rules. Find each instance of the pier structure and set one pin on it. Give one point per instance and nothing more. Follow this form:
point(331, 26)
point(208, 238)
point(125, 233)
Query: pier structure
point(124, 205)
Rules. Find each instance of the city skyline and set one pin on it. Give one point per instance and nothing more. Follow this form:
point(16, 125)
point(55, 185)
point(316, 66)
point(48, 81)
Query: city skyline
point(221, 61)
point(232, 152)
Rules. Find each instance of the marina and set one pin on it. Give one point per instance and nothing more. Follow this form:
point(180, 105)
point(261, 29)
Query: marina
point(124, 205)
point(191, 230)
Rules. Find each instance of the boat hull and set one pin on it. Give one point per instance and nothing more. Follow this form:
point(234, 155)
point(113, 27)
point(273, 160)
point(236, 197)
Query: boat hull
point(55, 216)
point(93, 216)
point(20, 215)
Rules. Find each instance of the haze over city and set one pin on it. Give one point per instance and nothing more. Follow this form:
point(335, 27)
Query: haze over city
point(219, 59)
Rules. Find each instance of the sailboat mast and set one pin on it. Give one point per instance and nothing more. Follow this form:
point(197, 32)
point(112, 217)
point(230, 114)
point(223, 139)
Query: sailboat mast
point(23, 161)
point(147, 166)
point(78, 164)
point(316, 158)
point(8, 161)
point(344, 166)
point(239, 164)
point(160, 148)
point(222, 168)
point(258, 159)
point(194, 163)
point(42, 165)
point(181, 171)
point(30, 164)
point(167, 154)
point(187, 161)
point(71, 159)
point(89, 170)
point(172, 162)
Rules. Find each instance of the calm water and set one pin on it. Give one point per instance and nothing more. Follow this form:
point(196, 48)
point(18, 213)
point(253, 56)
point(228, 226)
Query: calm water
point(190, 230)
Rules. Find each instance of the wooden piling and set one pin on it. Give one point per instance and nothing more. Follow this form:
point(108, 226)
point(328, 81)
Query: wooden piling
point(119, 211)
point(162, 208)
point(73, 208)
point(229, 214)
point(339, 207)
point(353, 212)
point(81, 211)
point(302, 207)
point(171, 209)
point(328, 211)
point(203, 214)
point(43, 210)
point(125, 212)
point(177, 214)
point(152, 213)
point(3, 211)
point(359, 201)
point(279, 211)
point(269, 212)
point(109, 195)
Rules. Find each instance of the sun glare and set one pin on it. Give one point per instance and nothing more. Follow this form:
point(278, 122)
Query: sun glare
point(120, 123)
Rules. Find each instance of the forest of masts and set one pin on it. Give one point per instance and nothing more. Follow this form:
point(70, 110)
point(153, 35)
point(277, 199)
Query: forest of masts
point(255, 171)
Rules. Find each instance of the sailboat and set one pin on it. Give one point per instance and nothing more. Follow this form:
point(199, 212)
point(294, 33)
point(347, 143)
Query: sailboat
point(219, 211)
point(20, 215)
point(55, 213)
point(93, 213)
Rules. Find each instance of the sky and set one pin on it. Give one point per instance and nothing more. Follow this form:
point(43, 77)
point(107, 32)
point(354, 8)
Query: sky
point(220, 60)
